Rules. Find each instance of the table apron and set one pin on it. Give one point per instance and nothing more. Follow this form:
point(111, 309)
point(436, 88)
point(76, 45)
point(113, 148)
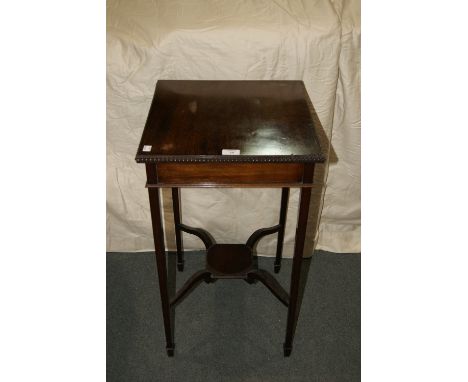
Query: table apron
point(227, 175)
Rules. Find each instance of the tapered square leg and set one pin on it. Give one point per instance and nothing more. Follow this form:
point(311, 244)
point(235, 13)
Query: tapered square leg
point(178, 233)
point(159, 246)
point(282, 222)
point(304, 202)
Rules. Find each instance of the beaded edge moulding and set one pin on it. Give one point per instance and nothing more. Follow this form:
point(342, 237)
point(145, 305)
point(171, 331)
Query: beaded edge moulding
point(230, 158)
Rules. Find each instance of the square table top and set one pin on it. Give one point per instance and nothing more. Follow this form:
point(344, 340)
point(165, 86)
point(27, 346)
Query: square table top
point(229, 121)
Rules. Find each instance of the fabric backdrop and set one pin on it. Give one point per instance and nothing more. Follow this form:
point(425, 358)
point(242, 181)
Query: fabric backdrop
point(314, 41)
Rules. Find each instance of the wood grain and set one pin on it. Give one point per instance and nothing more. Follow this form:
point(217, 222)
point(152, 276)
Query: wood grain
point(229, 173)
point(193, 121)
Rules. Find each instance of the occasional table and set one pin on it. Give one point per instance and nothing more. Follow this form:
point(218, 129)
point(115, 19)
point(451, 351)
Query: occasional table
point(229, 134)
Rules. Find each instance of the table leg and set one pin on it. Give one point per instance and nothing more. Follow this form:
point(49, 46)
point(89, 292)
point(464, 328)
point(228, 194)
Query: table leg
point(282, 222)
point(178, 232)
point(158, 236)
point(296, 269)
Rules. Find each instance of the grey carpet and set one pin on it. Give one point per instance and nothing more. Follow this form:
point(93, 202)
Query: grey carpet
point(230, 330)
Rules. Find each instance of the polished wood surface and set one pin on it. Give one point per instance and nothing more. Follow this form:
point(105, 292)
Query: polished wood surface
point(293, 309)
point(178, 232)
point(206, 174)
point(267, 121)
point(160, 253)
point(282, 224)
point(229, 260)
point(188, 126)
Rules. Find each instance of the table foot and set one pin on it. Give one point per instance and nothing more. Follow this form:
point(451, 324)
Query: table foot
point(287, 350)
point(170, 350)
point(180, 265)
point(277, 267)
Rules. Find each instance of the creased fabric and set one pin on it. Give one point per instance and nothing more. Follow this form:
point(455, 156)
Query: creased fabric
point(288, 40)
point(340, 224)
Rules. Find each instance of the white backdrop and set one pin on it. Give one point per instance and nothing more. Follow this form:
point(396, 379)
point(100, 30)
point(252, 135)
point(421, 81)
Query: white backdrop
point(314, 41)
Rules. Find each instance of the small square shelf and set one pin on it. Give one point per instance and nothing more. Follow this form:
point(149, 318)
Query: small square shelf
point(229, 260)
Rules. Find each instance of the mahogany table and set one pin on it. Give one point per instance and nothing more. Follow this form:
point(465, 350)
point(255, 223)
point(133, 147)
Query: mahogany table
point(229, 134)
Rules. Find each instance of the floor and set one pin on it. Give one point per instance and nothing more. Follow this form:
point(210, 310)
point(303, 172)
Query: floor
point(230, 330)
